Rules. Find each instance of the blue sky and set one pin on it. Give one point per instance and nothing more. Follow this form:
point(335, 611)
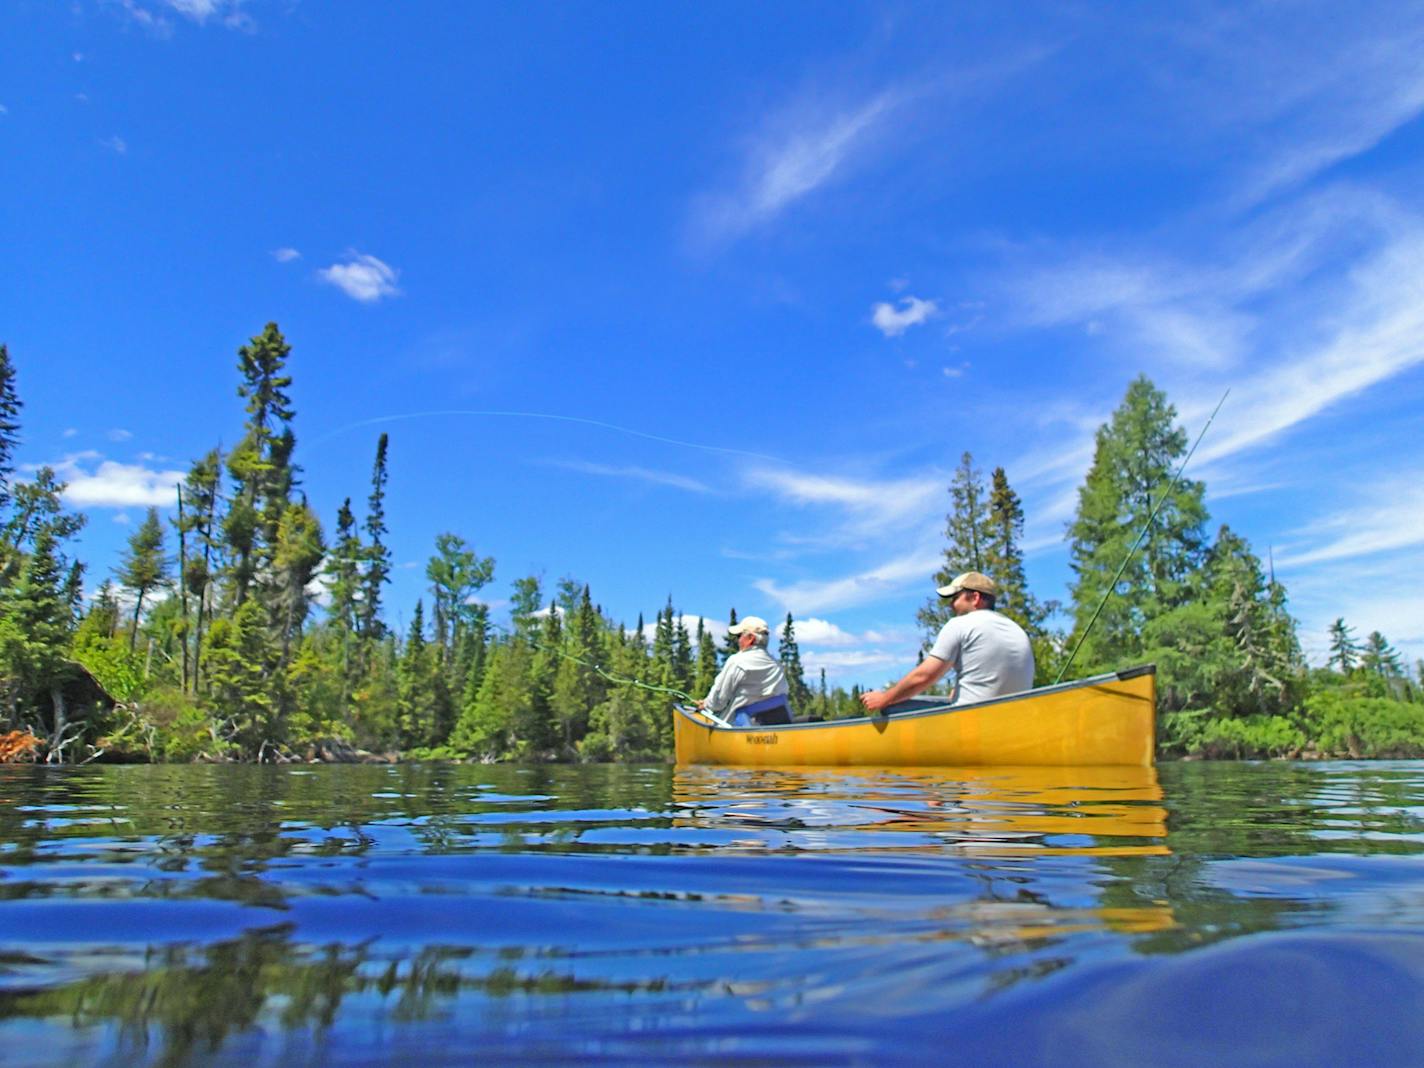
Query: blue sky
point(707, 300)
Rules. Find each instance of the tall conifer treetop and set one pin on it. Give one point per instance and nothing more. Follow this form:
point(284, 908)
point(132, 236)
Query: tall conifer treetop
point(1134, 461)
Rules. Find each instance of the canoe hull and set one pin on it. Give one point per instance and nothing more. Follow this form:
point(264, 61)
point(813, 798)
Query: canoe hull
point(1105, 720)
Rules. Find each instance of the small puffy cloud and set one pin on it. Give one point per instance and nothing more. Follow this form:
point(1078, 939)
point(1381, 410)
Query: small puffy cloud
point(116, 144)
point(813, 631)
point(892, 321)
point(70, 432)
point(93, 482)
point(362, 277)
point(119, 434)
point(4, 110)
point(285, 255)
point(122, 519)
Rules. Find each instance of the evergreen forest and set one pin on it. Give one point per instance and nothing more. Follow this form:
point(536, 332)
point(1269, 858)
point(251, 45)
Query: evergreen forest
point(237, 626)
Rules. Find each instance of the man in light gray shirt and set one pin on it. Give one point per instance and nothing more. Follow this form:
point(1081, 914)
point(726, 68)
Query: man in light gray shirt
point(749, 675)
point(990, 653)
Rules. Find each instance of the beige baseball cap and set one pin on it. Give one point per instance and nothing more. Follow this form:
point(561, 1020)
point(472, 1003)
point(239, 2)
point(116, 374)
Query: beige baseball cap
point(750, 625)
point(970, 580)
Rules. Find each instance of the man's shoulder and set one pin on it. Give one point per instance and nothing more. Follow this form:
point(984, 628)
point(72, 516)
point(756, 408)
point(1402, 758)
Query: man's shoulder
point(997, 621)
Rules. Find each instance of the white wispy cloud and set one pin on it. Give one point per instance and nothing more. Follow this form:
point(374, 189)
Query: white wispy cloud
point(362, 277)
point(869, 506)
point(118, 433)
point(799, 151)
point(871, 584)
point(853, 660)
point(640, 474)
point(286, 255)
point(227, 13)
point(93, 482)
point(892, 321)
point(1385, 517)
point(1313, 99)
point(115, 144)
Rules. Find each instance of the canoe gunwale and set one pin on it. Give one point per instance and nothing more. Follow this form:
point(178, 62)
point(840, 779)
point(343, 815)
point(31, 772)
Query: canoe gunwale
point(935, 709)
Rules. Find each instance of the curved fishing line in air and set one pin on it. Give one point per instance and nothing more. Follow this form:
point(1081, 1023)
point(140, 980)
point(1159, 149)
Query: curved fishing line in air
point(552, 416)
point(599, 669)
point(1112, 586)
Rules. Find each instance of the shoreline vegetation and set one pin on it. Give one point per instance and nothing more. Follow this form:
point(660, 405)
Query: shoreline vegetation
point(236, 628)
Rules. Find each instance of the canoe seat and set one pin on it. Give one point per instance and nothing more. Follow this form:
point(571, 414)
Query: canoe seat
point(768, 712)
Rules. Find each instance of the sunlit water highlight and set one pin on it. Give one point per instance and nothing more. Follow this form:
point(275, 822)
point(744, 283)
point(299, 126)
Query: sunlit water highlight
point(1191, 914)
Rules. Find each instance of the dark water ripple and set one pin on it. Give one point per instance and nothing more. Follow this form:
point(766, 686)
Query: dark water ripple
point(1193, 914)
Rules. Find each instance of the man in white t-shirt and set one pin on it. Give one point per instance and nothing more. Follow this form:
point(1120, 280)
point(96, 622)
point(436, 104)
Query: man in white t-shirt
point(750, 675)
point(990, 654)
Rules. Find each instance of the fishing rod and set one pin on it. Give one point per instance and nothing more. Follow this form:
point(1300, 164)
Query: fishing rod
point(1112, 586)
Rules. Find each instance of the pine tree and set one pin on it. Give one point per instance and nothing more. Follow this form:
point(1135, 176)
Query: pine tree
point(1380, 658)
point(144, 567)
point(10, 405)
point(1344, 650)
point(524, 603)
point(789, 654)
point(1134, 463)
point(456, 574)
point(377, 555)
point(966, 533)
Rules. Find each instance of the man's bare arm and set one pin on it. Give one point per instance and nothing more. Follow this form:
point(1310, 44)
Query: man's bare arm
point(925, 674)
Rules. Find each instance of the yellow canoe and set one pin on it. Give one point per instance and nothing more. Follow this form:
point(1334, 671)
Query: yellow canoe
point(1105, 720)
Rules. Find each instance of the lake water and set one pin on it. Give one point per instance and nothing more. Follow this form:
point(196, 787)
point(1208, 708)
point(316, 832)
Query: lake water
point(1208, 913)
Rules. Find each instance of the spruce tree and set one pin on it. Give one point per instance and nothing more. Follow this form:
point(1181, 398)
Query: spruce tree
point(377, 556)
point(967, 539)
point(35, 624)
point(296, 561)
point(789, 654)
point(260, 465)
point(730, 640)
point(706, 671)
point(10, 406)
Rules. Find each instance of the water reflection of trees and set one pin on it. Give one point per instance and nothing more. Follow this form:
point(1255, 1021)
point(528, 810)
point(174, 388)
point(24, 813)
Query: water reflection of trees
point(189, 1001)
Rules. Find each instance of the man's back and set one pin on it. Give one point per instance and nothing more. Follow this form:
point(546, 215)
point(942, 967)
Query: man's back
point(746, 677)
point(990, 654)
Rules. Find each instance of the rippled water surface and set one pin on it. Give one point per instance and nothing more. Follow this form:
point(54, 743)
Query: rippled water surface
point(1190, 914)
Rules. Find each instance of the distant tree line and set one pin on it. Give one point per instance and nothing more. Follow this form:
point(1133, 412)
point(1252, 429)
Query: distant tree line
point(213, 641)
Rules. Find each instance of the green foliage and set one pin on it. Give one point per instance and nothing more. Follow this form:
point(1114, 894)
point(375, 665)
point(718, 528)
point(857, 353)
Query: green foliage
point(10, 405)
point(1200, 734)
point(1136, 456)
point(235, 666)
point(967, 540)
point(789, 655)
point(145, 566)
